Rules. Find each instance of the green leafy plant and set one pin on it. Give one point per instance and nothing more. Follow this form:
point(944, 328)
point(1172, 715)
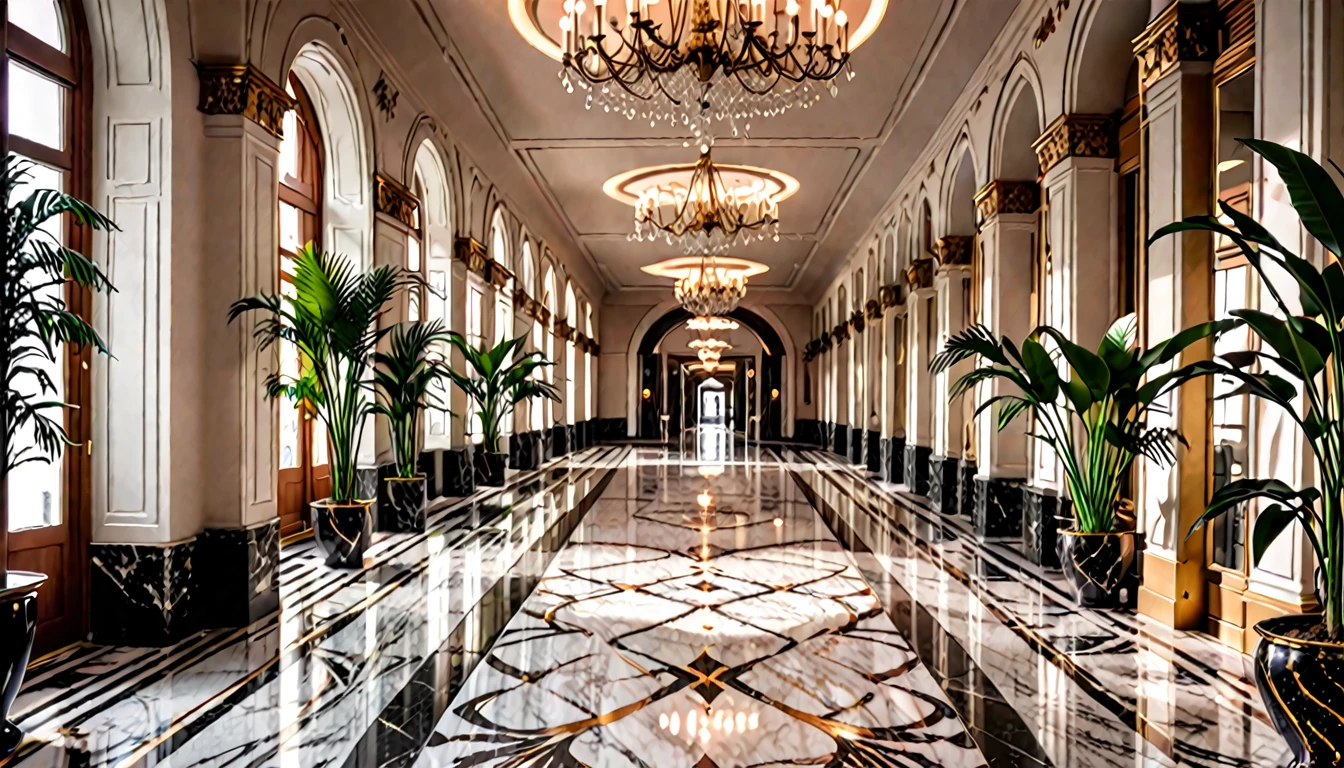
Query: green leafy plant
point(501, 380)
point(332, 320)
point(1095, 416)
point(37, 321)
point(1299, 357)
point(403, 378)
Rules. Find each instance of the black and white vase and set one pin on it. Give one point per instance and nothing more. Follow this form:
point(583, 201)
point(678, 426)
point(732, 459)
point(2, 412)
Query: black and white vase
point(1097, 564)
point(1297, 674)
point(402, 509)
point(342, 531)
point(18, 622)
point(490, 468)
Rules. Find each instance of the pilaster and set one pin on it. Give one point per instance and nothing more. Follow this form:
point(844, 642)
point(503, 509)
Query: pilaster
point(950, 283)
point(921, 339)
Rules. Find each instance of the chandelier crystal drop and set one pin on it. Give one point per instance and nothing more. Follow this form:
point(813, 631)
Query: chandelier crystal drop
point(702, 66)
point(707, 215)
point(708, 286)
point(706, 323)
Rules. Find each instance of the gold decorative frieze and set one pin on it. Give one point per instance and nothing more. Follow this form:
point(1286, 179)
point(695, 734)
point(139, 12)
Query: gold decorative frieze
point(1008, 197)
point(543, 315)
point(1054, 14)
point(1076, 136)
point(840, 334)
point(1182, 32)
point(873, 308)
point(392, 198)
point(825, 342)
point(471, 252)
point(521, 301)
point(954, 250)
point(920, 274)
point(812, 350)
point(856, 321)
point(242, 89)
point(562, 329)
point(889, 295)
point(499, 275)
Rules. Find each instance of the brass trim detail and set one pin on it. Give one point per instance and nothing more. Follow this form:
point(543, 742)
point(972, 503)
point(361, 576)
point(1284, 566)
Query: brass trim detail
point(1182, 32)
point(392, 198)
point(856, 321)
point(1076, 136)
point(242, 89)
point(920, 274)
point(873, 308)
point(1009, 197)
point(562, 329)
point(840, 334)
point(889, 295)
point(1046, 28)
point(471, 252)
point(499, 275)
point(954, 250)
point(522, 302)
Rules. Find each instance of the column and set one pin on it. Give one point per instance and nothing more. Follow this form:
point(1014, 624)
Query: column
point(394, 219)
point(1007, 214)
point(459, 476)
point(858, 395)
point(1176, 88)
point(872, 386)
point(920, 339)
point(525, 445)
point(951, 284)
point(841, 386)
point(893, 383)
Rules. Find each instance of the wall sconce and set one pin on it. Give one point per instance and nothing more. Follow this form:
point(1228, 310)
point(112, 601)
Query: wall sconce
point(751, 373)
point(774, 394)
point(646, 394)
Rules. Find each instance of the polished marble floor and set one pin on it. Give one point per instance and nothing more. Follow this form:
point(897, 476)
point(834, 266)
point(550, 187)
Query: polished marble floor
point(631, 606)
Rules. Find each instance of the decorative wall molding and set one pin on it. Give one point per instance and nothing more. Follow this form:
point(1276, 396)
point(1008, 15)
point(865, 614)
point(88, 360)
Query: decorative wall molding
point(385, 95)
point(562, 329)
point(1182, 32)
point(523, 304)
point(920, 274)
point(1010, 197)
point(499, 275)
point(1076, 136)
point(392, 198)
point(955, 250)
point(242, 89)
point(1053, 15)
point(471, 252)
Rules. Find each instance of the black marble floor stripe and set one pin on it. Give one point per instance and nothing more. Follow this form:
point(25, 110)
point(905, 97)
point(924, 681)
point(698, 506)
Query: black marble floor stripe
point(1125, 708)
point(1011, 561)
point(998, 729)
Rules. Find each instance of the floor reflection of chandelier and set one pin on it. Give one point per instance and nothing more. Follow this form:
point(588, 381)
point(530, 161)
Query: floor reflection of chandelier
point(708, 286)
point(698, 64)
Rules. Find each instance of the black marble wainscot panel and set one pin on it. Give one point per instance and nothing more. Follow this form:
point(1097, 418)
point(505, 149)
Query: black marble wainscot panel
point(141, 594)
point(841, 439)
point(998, 507)
point(944, 479)
point(805, 431)
point(895, 460)
point(966, 488)
point(431, 466)
point(459, 476)
point(612, 430)
point(524, 450)
point(856, 445)
point(1044, 515)
point(559, 442)
point(917, 468)
point(872, 452)
point(237, 585)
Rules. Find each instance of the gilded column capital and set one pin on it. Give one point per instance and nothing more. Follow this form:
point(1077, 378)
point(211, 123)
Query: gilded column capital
point(242, 89)
point(471, 252)
point(1182, 32)
point(392, 198)
point(954, 250)
point(889, 295)
point(920, 274)
point(1076, 136)
point(1001, 196)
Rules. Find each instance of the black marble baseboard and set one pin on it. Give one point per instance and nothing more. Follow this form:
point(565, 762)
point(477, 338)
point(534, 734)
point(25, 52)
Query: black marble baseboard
point(840, 440)
point(966, 488)
point(944, 483)
point(895, 460)
point(459, 474)
point(141, 594)
point(236, 583)
point(998, 507)
point(612, 430)
point(872, 452)
point(559, 442)
point(916, 474)
point(1044, 514)
point(431, 466)
point(827, 435)
point(808, 431)
point(856, 445)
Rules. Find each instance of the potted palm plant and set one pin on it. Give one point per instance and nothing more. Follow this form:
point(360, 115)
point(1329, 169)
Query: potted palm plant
point(38, 327)
point(499, 380)
point(332, 319)
point(1298, 367)
point(1095, 418)
point(403, 378)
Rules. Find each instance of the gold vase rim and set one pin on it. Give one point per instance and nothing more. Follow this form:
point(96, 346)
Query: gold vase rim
point(1295, 642)
point(1096, 533)
point(416, 479)
point(329, 504)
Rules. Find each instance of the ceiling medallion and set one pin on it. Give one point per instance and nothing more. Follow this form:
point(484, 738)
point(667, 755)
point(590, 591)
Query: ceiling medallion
point(708, 286)
point(695, 63)
point(708, 208)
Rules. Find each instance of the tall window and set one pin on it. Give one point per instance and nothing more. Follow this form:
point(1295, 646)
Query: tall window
point(529, 277)
point(548, 299)
point(435, 252)
point(590, 403)
point(476, 338)
point(42, 120)
point(572, 317)
point(414, 263)
point(499, 251)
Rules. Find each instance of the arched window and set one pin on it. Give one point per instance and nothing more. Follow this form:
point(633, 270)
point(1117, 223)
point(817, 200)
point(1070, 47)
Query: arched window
point(571, 317)
point(499, 252)
point(548, 300)
point(436, 243)
point(589, 386)
point(926, 230)
point(414, 261)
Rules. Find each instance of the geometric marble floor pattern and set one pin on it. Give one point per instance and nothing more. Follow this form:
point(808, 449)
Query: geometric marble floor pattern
point(701, 615)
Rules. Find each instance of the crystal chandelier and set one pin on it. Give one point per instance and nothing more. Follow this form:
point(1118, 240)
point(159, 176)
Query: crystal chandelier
point(708, 286)
point(708, 215)
point(703, 323)
point(695, 64)
point(709, 349)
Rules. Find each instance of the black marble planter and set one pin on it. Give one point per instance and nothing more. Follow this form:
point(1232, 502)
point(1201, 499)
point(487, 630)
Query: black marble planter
point(872, 453)
point(895, 460)
point(943, 483)
point(1044, 515)
point(431, 466)
point(841, 440)
point(241, 586)
point(856, 446)
point(342, 531)
point(459, 475)
point(1097, 564)
point(559, 442)
point(998, 508)
point(525, 451)
point(401, 509)
point(916, 475)
point(1298, 682)
point(141, 594)
point(966, 488)
point(17, 626)
point(489, 468)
